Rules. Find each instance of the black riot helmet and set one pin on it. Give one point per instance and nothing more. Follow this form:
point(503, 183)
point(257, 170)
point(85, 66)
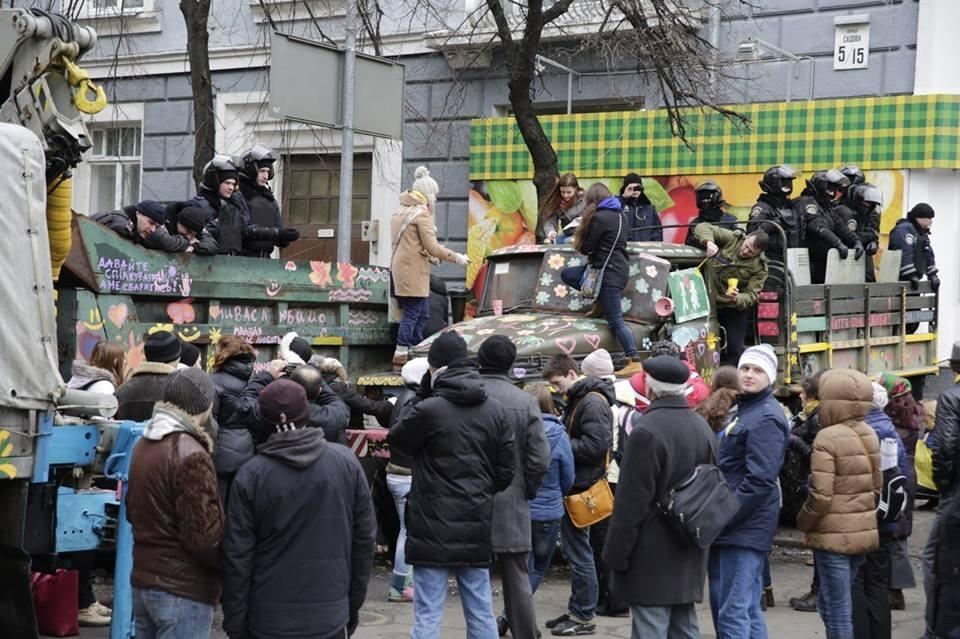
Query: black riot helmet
point(252, 160)
point(865, 197)
point(709, 195)
point(778, 181)
point(827, 185)
point(853, 173)
point(220, 169)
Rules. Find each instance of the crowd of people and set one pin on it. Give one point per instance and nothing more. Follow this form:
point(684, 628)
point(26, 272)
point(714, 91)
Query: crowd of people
point(233, 213)
point(241, 491)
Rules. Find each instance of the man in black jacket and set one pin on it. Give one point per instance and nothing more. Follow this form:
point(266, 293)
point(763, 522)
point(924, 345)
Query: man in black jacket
point(461, 442)
point(860, 209)
point(300, 531)
point(327, 411)
point(189, 223)
point(256, 171)
point(511, 513)
point(944, 442)
point(588, 419)
point(143, 224)
point(709, 210)
point(666, 444)
point(144, 387)
point(774, 211)
point(826, 227)
point(643, 222)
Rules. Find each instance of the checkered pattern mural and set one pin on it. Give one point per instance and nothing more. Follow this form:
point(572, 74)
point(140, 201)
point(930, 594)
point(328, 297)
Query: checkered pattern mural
point(899, 132)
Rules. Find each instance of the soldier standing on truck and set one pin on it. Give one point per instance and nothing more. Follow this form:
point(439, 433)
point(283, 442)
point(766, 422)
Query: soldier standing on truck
point(774, 207)
point(826, 228)
point(709, 203)
point(256, 171)
point(737, 272)
point(911, 236)
point(860, 209)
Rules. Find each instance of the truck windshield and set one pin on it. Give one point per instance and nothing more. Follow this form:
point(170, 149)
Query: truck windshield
point(512, 279)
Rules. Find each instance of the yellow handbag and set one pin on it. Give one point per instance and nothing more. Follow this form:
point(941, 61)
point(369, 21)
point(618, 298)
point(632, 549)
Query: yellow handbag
point(595, 503)
point(923, 463)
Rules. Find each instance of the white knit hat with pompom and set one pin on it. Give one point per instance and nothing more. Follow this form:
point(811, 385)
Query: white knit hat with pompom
point(425, 184)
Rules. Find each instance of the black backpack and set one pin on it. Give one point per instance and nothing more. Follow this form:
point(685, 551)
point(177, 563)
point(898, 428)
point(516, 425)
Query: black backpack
point(893, 496)
point(700, 506)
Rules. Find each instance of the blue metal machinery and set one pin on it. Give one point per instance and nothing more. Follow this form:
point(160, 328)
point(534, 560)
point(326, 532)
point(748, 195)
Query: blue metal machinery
point(90, 519)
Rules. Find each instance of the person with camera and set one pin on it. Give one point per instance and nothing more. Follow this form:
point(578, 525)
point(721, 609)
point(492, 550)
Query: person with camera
point(644, 223)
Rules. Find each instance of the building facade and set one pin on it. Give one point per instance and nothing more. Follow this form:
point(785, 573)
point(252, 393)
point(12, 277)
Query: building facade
point(781, 50)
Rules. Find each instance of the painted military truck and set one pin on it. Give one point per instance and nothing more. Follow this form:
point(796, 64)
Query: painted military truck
point(115, 290)
point(524, 298)
point(849, 324)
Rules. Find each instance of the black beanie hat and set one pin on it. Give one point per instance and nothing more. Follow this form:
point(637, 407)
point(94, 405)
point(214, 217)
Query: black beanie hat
point(162, 347)
point(497, 353)
point(921, 210)
point(631, 178)
point(284, 405)
point(189, 354)
point(192, 218)
point(447, 348)
point(190, 390)
point(302, 348)
point(154, 210)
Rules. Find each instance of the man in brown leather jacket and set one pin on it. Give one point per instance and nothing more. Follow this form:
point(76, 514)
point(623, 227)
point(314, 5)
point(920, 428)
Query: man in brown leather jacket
point(174, 508)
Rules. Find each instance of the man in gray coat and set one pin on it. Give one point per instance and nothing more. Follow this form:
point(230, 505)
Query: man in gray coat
point(511, 514)
point(666, 444)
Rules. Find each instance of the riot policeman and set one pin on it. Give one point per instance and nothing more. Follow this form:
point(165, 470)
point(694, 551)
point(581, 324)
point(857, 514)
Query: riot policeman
point(774, 205)
point(826, 228)
point(860, 210)
point(709, 203)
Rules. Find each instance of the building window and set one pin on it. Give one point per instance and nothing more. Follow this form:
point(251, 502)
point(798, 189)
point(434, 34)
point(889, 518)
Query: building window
point(118, 5)
point(114, 167)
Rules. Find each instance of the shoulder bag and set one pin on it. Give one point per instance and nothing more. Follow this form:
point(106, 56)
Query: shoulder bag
point(592, 276)
point(595, 503)
point(698, 508)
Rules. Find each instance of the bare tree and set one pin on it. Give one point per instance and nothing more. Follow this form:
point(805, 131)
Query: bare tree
point(659, 37)
point(196, 14)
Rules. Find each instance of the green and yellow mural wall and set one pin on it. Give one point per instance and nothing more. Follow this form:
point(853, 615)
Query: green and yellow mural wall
point(884, 136)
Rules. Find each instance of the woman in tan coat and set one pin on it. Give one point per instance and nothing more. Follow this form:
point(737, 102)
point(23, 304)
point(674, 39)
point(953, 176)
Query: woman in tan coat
point(840, 516)
point(414, 235)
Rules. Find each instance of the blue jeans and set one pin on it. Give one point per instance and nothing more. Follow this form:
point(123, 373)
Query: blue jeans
point(735, 589)
point(161, 615)
point(834, 599)
point(584, 588)
point(416, 312)
point(664, 622)
point(399, 487)
point(543, 536)
point(609, 298)
point(476, 598)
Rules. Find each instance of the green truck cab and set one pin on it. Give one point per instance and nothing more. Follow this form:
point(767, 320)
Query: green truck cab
point(524, 298)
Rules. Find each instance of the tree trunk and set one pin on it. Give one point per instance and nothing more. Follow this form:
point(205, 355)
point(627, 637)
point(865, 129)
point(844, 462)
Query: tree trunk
point(541, 152)
point(195, 15)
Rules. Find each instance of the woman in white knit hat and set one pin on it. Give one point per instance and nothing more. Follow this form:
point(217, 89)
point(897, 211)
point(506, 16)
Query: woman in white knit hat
point(414, 234)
